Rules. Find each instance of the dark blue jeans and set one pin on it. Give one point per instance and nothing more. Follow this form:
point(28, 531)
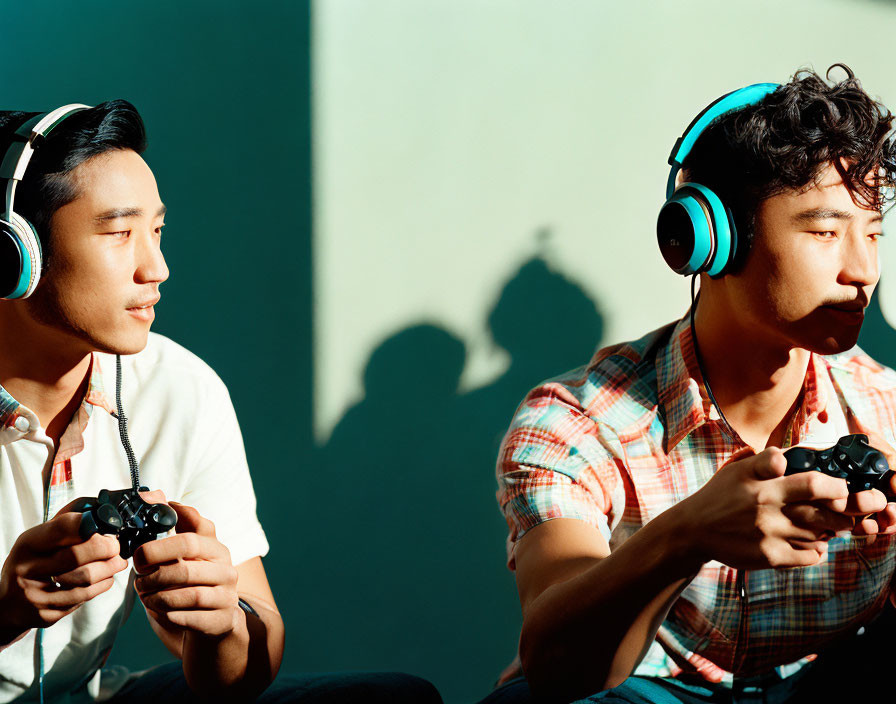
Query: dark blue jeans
point(166, 685)
point(853, 670)
point(658, 690)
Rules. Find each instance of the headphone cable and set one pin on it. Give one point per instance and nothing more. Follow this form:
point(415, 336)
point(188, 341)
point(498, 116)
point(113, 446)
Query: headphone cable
point(123, 428)
point(694, 296)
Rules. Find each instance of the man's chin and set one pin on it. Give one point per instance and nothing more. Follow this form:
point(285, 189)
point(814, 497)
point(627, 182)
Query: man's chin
point(834, 344)
point(123, 346)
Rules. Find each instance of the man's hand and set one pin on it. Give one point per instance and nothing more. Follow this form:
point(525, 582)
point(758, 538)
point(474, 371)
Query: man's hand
point(186, 581)
point(880, 518)
point(750, 516)
point(49, 554)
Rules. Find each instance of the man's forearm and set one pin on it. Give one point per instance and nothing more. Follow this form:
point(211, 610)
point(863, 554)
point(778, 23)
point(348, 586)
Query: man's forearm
point(588, 633)
point(241, 664)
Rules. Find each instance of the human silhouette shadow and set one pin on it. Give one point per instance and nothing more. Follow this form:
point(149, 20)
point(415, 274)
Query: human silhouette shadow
point(548, 325)
point(398, 560)
point(410, 552)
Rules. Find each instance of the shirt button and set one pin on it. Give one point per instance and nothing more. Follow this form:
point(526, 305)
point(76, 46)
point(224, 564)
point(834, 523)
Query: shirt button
point(23, 424)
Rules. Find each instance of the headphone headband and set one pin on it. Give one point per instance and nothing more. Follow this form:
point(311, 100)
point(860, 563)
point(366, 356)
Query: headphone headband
point(695, 230)
point(15, 161)
point(21, 260)
point(729, 102)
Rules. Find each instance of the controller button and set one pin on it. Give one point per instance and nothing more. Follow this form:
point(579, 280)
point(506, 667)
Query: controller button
point(22, 424)
point(108, 515)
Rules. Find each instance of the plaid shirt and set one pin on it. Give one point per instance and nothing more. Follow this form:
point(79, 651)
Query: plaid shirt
point(619, 442)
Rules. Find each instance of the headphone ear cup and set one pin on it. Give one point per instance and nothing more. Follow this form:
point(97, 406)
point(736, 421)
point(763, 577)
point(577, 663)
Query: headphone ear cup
point(684, 232)
point(28, 245)
point(738, 245)
point(708, 226)
point(720, 223)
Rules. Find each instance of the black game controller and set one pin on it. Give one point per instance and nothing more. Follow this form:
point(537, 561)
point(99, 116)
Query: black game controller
point(852, 459)
point(125, 515)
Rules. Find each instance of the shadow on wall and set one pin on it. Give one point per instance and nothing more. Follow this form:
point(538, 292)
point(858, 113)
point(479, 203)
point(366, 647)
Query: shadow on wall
point(413, 553)
point(878, 338)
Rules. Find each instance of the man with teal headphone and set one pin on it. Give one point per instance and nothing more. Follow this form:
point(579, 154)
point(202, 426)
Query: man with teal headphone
point(664, 548)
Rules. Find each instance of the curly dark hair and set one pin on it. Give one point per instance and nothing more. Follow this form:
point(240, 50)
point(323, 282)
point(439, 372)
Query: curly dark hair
point(786, 140)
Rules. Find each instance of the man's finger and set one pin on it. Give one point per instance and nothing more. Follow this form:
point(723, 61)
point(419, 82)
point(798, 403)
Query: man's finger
point(156, 496)
point(768, 464)
point(60, 531)
point(189, 520)
point(182, 546)
point(98, 548)
point(193, 598)
point(817, 518)
point(91, 573)
point(65, 599)
point(812, 486)
point(864, 502)
point(186, 573)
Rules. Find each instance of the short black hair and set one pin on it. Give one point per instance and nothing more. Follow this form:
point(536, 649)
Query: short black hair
point(785, 141)
point(47, 184)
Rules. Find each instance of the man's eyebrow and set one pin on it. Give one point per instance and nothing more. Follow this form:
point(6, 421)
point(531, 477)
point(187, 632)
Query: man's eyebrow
point(116, 213)
point(822, 214)
point(829, 213)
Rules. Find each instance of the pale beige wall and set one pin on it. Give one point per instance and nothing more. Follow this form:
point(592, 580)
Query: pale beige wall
point(446, 132)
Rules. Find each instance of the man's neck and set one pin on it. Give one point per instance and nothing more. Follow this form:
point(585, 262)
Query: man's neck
point(41, 371)
point(757, 384)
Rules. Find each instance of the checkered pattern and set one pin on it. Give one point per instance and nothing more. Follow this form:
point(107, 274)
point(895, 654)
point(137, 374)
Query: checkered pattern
point(618, 442)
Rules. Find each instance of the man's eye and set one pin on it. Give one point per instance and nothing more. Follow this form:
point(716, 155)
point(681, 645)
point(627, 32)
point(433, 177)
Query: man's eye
point(122, 233)
point(827, 234)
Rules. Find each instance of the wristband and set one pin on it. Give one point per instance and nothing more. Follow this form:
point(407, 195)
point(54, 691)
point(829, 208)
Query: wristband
point(247, 607)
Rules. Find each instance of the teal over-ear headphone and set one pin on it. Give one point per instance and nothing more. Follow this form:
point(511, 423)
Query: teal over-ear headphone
point(694, 229)
point(21, 258)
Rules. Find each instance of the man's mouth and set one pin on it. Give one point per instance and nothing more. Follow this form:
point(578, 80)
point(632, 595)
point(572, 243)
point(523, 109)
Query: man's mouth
point(851, 309)
point(147, 304)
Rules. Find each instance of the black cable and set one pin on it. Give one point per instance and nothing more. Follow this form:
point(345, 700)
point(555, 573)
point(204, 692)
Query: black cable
point(123, 428)
point(694, 297)
point(741, 578)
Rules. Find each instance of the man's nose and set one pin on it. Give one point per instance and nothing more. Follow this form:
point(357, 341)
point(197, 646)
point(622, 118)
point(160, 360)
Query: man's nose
point(859, 263)
point(151, 266)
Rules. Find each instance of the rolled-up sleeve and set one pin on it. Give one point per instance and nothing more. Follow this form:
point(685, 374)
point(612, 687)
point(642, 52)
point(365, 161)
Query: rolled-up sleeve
point(557, 462)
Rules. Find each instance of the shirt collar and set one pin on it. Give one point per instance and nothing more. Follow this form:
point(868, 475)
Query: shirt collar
point(680, 389)
point(682, 393)
point(96, 388)
point(11, 410)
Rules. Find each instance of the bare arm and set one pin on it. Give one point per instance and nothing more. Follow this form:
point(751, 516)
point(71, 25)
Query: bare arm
point(190, 591)
point(589, 614)
point(572, 588)
point(254, 650)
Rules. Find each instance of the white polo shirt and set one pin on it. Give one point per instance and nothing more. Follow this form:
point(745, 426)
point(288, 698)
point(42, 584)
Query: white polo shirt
point(185, 435)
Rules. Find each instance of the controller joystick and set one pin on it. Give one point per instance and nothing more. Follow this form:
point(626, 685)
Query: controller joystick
point(125, 515)
point(852, 458)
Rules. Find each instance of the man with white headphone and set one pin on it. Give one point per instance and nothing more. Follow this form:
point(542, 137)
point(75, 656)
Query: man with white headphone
point(80, 269)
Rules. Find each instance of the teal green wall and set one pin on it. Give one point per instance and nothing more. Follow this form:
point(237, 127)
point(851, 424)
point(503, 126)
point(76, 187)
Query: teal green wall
point(224, 90)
